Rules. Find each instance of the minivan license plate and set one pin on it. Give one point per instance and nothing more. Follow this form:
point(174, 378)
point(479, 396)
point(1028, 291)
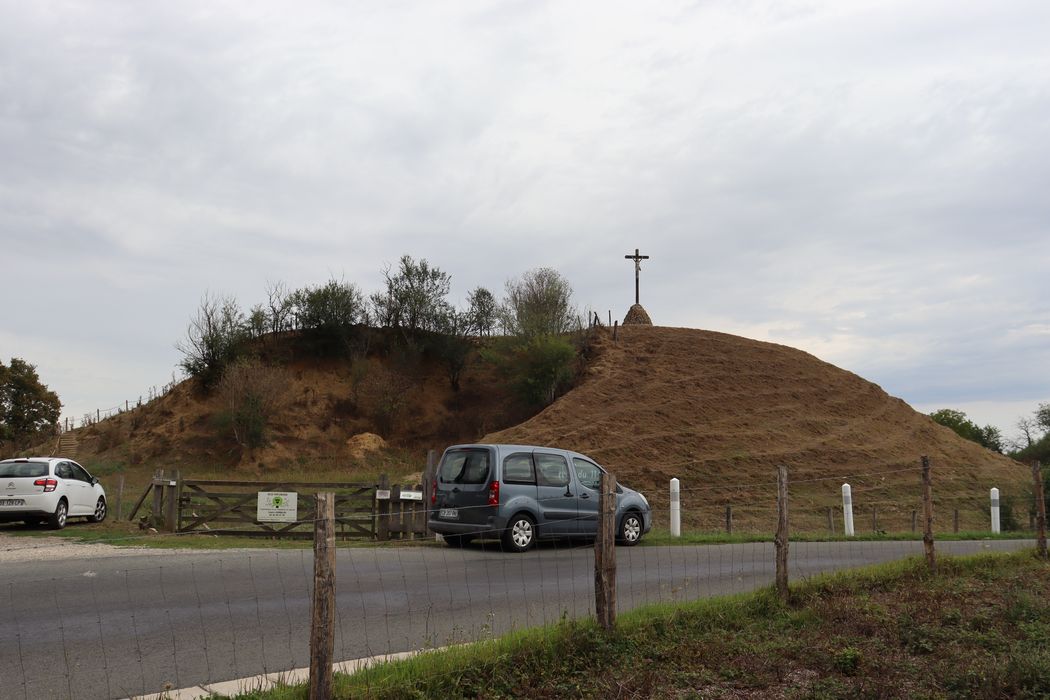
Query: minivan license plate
point(12, 502)
point(449, 514)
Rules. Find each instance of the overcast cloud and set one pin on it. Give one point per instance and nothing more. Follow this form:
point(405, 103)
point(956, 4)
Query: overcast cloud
point(866, 181)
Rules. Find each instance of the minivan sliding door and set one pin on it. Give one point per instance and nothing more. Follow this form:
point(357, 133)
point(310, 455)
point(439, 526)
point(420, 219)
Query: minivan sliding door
point(556, 496)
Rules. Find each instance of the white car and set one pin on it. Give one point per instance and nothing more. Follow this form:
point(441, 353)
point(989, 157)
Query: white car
point(49, 490)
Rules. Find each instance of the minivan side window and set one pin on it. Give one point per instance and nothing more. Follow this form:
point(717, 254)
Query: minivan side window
point(517, 469)
point(464, 467)
point(552, 470)
point(589, 474)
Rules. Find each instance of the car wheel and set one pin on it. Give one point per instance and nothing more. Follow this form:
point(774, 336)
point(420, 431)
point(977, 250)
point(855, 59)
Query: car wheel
point(58, 520)
point(520, 534)
point(457, 540)
point(100, 511)
point(630, 529)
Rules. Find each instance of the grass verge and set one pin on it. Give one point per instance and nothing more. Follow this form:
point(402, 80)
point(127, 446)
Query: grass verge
point(980, 627)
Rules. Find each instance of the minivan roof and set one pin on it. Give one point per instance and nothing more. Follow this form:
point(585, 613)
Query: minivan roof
point(507, 447)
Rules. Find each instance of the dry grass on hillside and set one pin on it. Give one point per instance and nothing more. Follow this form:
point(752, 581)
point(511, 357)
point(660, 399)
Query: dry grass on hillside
point(720, 412)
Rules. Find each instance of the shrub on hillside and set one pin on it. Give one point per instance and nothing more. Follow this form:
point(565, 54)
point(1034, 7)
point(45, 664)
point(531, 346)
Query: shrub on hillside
point(251, 392)
point(214, 339)
point(384, 396)
point(543, 367)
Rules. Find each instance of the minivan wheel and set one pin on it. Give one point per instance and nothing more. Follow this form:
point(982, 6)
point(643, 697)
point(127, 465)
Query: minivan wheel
point(457, 540)
point(520, 534)
point(631, 529)
point(57, 521)
point(100, 511)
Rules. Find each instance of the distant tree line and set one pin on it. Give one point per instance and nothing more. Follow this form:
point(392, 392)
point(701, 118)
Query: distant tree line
point(1032, 444)
point(525, 334)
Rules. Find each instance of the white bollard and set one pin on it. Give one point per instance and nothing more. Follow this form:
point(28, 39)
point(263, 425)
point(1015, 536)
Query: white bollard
point(847, 509)
point(995, 510)
point(676, 509)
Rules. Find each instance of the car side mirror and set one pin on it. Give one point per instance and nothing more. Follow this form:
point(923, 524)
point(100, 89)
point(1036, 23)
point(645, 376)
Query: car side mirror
point(94, 480)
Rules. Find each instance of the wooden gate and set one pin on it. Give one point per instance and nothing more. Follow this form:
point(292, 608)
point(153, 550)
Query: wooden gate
point(222, 507)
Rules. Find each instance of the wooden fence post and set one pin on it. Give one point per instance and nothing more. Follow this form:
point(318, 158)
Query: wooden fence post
point(729, 520)
point(874, 520)
point(955, 521)
point(171, 502)
point(927, 512)
point(383, 509)
point(322, 617)
point(831, 521)
point(429, 479)
point(781, 538)
point(120, 497)
point(157, 516)
point(1040, 509)
point(914, 519)
point(605, 554)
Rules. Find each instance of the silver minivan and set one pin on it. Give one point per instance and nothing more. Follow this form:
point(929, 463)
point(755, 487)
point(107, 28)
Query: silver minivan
point(520, 493)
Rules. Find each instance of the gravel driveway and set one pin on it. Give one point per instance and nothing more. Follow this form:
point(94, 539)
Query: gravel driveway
point(20, 549)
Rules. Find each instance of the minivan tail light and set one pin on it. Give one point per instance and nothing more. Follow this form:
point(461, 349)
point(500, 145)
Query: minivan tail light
point(48, 484)
point(434, 493)
point(494, 493)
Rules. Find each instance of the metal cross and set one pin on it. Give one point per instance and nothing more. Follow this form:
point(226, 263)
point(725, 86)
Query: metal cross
point(637, 268)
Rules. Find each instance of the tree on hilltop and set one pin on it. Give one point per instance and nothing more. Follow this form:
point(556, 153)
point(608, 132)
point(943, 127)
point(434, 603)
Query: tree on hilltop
point(414, 298)
point(539, 303)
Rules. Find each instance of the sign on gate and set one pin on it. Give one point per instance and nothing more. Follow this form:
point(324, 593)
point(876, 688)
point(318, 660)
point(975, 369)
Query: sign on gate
point(277, 507)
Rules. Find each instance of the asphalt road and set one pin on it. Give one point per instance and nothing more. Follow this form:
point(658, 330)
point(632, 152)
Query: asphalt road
point(117, 626)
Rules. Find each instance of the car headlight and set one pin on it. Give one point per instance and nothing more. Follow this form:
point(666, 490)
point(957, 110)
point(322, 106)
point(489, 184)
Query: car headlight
point(645, 500)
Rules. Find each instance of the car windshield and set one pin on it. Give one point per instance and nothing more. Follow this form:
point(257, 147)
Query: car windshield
point(10, 470)
point(469, 466)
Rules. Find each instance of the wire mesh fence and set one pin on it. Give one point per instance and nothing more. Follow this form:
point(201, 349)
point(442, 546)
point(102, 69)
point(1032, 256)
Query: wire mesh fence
point(134, 623)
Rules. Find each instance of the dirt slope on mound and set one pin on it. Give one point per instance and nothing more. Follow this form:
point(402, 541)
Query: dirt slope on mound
point(720, 412)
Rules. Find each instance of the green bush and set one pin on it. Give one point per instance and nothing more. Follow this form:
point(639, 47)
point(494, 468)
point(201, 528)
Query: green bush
point(847, 660)
point(543, 367)
point(328, 315)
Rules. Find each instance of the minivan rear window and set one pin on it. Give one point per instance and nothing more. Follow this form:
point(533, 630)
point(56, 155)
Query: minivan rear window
point(11, 470)
point(470, 466)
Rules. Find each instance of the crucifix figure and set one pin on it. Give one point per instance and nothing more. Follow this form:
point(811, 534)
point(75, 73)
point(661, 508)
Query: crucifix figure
point(637, 268)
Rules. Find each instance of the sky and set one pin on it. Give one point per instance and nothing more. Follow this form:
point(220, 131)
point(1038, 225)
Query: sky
point(865, 181)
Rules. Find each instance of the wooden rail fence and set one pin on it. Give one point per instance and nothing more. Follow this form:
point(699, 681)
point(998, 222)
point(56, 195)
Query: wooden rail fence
point(223, 507)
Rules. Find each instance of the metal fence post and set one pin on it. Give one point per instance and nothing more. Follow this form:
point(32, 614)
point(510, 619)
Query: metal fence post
point(995, 510)
point(847, 510)
point(676, 508)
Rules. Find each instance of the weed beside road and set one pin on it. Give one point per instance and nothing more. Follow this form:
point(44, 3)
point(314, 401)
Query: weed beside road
point(980, 627)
